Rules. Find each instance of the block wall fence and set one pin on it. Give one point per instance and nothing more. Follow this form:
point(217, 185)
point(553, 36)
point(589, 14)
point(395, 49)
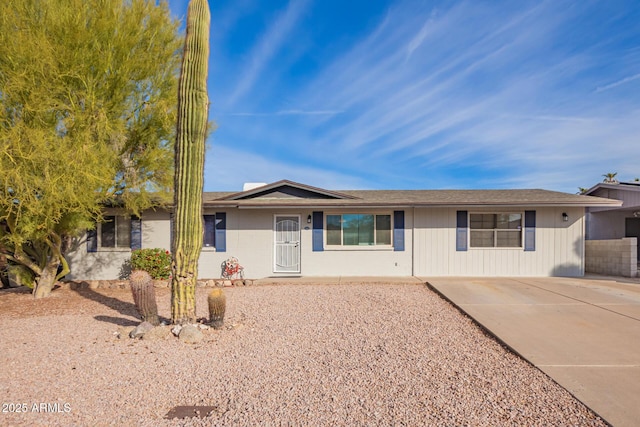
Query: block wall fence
point(617, 257)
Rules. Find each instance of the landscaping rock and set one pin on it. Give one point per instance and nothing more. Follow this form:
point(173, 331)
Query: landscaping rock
point(190, 334)
point(123, 332)
point(140, 330)
point(156, 334)
point(14, 281)
point(317, 355)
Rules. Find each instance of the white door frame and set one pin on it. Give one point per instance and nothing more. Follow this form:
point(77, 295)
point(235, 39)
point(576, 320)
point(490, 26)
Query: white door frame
point(290, 246)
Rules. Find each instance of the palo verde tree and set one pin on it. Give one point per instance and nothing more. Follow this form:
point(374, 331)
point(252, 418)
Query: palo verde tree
point(87, 119)
point(192, 126)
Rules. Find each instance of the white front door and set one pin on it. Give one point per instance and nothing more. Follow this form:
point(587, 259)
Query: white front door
point(287, 244)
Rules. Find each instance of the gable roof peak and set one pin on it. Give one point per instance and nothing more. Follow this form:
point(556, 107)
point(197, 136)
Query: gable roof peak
point(295, 189)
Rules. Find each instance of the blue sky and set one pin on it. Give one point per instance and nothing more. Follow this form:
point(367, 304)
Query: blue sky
point(423, 94)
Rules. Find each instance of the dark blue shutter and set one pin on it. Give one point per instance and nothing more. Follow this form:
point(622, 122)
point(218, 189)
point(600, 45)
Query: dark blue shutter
point(317, 236)
point(221, 232)
point(136, 233)
point(398, 230)
point(209, 240)
point(461, 230)
point(92, 240)
point(529, 231)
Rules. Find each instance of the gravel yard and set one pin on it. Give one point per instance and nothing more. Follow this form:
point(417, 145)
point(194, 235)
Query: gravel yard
point(338, 355)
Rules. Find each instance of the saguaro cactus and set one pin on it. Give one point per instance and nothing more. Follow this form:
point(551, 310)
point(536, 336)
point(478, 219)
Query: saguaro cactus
point(217, 306)
point(193, 109)
point(144, 296)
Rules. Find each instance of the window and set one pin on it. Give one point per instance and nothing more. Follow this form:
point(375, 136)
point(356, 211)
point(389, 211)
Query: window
point(215, 231)
point(496, 230)
point(358, 230)
point(115, 232)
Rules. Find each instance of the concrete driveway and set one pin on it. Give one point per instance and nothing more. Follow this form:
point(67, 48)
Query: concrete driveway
point(582, 332)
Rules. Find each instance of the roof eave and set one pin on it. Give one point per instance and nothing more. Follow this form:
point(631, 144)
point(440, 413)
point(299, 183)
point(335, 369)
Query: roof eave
point(628, 186)
point(363, 205)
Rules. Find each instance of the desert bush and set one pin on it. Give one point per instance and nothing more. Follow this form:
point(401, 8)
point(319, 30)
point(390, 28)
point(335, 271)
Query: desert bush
point(21, 275)
point(156, 262)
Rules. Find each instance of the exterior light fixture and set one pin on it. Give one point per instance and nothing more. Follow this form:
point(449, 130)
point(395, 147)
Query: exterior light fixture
point(308, 219)
point(565, 217)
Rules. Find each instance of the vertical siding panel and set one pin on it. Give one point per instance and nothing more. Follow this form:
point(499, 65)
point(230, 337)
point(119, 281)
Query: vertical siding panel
point(418, 243)
point(488, 263)
point(568, 243)
point(559, 247)
point(518, 265)
point(542, 259)
point(446, 240)
point(435, 240)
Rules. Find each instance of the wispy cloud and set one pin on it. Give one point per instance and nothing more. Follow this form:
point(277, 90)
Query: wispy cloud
point(551, 118)
point(290, 113)
point(618, 83)
point(441, 108)
point(222, 172)
point(420, 37)
point(461, 94)
point(267, 48)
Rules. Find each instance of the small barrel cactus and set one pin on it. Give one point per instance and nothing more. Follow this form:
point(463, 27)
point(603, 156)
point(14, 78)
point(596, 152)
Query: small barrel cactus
point(217, 306)
point(144, 296)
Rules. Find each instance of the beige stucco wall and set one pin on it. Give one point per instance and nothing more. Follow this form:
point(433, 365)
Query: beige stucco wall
point(429, 248)
point(359, 261)
point(616, 257)
point(559, 246)
point(110, 264)
point(250, 238)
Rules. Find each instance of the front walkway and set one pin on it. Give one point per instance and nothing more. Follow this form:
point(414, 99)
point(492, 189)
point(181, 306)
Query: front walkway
point(582, 332)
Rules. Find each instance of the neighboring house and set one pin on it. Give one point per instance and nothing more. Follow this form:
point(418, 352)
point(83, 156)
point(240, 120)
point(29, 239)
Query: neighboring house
point(286, 228)
point(615, 222)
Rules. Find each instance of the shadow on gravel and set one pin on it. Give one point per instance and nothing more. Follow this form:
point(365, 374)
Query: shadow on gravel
point(120, 321)
point(122, 307)
point(182, 412)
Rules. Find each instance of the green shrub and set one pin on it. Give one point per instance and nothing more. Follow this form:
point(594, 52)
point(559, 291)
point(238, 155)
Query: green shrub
point(156, 262)
point(21, 275)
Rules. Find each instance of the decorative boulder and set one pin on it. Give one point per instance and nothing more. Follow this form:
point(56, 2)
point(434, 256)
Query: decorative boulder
point(190, 334)
point(140, 330)
point(157, 333)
